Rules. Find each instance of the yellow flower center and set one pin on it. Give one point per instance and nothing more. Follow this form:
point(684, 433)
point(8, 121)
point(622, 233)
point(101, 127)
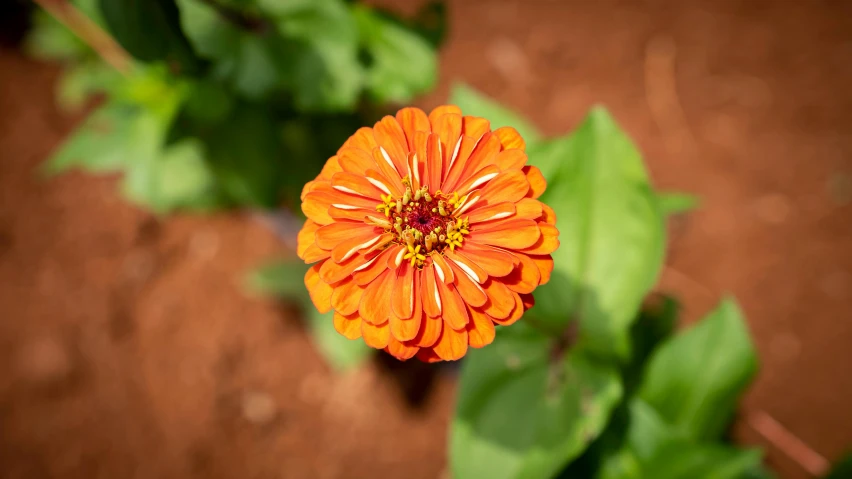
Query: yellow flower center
point(425, 222)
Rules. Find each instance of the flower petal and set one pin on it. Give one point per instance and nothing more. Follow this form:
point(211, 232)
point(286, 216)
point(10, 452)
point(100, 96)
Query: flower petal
point(371, 270)
point(448, 128)
point(346, 297)
point(331, 167)
point(413, 120)
point(480, 329)
point(348, 326)
point(391, 139)
point(329, 236)
point(512, 159)
point(318, 289)
point(517, 312)
point(375, 336)
point(429, 296)
point(430, 331)
point(452, 344)
point(427, 355)
point(467, 265)
point(525, 278)
point(389, 174)
point(528, 209)
point(306, 238)
point(510, 138)
point(356, 184)
point(508, 186)
point(332, 272)
point(314, 253)
point(440, 111)
point(374, 307)
point(363, 139)
point(548, 215)
point(536, 180)
point(544, 263)
point(356, 160)
point(402, 294)
point(453, 306)
point(514, 234)
point(501, 302)
point(477, 179)
point(406, 329)
point(433, 169)
point(492, 212)
point(399, 350)
point(360, 240)
point(493, 261)
point(470, 291)
point(442, 270)
point(547, 243)
point(483, 155)
point(475, 127)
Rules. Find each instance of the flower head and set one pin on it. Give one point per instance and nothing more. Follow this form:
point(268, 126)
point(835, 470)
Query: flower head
point(426, 232)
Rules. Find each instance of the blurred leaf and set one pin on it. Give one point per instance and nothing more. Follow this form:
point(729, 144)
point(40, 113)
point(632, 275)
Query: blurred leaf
point(522, 412)
point(475, 103)
point(655, 323)
point(208, 102)
point(702, 461)
point(841, 469)
point(282, 279)
point(149, 30)
point(676, 203)
point(695, 379)
point(98, 144)
point(81, 81)
point(402, 64)
point(50, 40)
point(611, 233)
point(341, 353)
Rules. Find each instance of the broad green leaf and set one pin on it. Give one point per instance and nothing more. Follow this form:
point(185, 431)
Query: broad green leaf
point(50, 40)
point(81, 81)
point(702, 461)
point(341, 353)
point(402, 64)
point(475, 103)
point(676, 203)
point(695, 379)
point(610, 230)
point(149, 30)
point(208, 102)
point(523, 412)
point(282, 279)
point(98, 145)
point(656, 322)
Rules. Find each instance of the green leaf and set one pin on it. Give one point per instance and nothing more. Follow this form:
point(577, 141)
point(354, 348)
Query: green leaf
point(656, 322)
point(695, 379)
point(610, 229)
point(341, 353)
point(402, 64)
point(702, 461)
point(475, 103)
point(677, 203)
point(81, 81)
point(282, 279)
point(50, 40)
point(522, 413)
point(149, 30)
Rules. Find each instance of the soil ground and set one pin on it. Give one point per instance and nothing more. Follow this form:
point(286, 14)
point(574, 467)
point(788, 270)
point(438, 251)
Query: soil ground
point(128, 348)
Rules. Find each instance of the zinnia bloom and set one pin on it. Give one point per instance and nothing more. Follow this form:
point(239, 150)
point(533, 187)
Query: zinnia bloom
point(426, 232)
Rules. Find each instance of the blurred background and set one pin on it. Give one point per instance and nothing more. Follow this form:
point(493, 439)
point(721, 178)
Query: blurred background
point(129, 347)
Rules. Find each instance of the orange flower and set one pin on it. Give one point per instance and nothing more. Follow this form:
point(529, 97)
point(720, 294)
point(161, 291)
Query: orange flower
point(426, 232)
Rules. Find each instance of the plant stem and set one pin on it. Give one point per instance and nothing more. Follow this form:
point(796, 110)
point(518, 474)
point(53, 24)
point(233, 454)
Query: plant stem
point(89, 32)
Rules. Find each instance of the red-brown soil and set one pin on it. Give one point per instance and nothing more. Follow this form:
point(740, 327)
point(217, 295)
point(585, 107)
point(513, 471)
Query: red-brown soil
point(128, 348)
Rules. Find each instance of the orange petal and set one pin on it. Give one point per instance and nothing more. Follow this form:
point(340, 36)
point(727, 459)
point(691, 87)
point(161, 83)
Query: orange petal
point(480, 329)
point(452, 344)
point(475, 127)
point(440, 111)
point(442, 270)
point(548, 215)
point(492, 212)
point(477, 179)
point(525, 278)
point(430, 331)
point(470, 291)
point(318, 289)
point(434, 164)
point(391, 139)
point(508, 186)
point(547, 243)
point(513, 234)
point(402, 293)
point(467, 265)
point(375, 336)
point(346, 297)
point(348, 326)
point(309, 186)
point(528, 209)
point(391, 173)
point(429, 296)
point(493, 261)
point(421, 140)
point(544, 263)
point(517, 312)
point(453, 306)
point(306, 238)
point(356, 160)
point(500, 299)
point(331, 167)
point(395, 256)
point(392, 187)
point(407, 329)
point(375, 302)
point(413, 120)
point(363, 139)
point(510, 138)
point(528, 301)
point(384, 239)
point(354, 214)
point(332, 272)
point(314, 253)
point(356, 184)
point(315, 207)
point(371, 269)
point(360, 241)
point(451, 177)
point(332, 235)
point(448, 128)
point(511, 159)
point(483, 155)
point(427, 355)
point(536, 180)
point(399, 350)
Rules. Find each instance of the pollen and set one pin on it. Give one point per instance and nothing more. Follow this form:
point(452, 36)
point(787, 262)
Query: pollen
point(425, 222)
